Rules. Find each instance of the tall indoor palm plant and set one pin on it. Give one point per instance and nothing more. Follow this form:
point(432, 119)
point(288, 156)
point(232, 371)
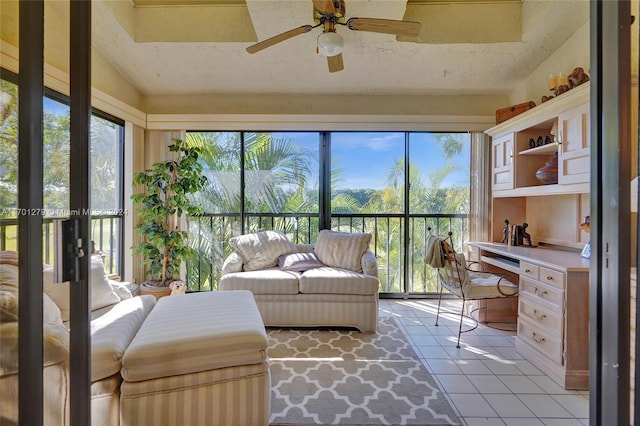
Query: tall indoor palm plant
point(165, 198)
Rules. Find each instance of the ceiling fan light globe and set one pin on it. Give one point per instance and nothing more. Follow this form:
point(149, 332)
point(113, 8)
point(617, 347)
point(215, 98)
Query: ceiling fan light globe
point(330, 44)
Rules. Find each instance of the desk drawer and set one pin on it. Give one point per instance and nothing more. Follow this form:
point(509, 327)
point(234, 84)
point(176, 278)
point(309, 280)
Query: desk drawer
point(541, 340)
point(529, 270)
point(543, 293)
point(552, 277)
point(540, 316)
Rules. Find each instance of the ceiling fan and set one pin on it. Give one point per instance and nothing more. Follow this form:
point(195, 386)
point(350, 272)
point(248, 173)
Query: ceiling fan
point(328, 14)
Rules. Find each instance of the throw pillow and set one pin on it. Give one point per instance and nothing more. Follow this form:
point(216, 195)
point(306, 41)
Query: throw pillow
point(262, 249)
point(102, 293)
point(9, 298)
point(8, 292)
point(342, 250)
point(298, 262)
point(233, 263)
point(50, 311)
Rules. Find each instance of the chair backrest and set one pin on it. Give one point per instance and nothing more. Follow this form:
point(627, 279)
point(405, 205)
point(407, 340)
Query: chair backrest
point(454, 275)
point(451, 266)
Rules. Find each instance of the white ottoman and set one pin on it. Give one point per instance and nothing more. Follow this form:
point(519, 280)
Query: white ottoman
point(198, 359)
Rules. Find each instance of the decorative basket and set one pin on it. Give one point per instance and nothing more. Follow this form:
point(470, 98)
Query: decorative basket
point(509, 112)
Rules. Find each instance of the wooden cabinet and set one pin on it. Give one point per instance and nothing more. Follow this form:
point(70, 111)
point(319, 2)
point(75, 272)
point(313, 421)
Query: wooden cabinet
point(552, 211)
point(552, 328)
point(525, 143)
point(574, 145)
point(553, 303)
point(502, 162)
point(553, 308)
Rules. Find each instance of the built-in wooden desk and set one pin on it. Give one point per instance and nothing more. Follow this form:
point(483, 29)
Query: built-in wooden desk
point(553, 308)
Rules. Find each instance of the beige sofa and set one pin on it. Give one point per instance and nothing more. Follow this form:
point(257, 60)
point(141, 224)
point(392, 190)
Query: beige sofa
point(190, 359)
point(292, 289)
point(116, 317)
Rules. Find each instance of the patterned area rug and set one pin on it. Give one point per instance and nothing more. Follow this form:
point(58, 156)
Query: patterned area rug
point(344, 377)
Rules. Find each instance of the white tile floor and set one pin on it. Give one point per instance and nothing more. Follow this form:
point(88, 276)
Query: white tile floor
point(486, 380)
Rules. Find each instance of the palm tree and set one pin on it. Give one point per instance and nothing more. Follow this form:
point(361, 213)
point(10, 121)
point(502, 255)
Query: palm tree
point(276, 178)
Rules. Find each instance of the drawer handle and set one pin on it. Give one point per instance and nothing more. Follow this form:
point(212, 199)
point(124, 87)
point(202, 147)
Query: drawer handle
point(527, 270)
point(538, 315)
point(549, 278)
point(537, 339)
point(539, 293)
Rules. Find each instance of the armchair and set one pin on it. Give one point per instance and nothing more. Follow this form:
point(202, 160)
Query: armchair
point(455, 274)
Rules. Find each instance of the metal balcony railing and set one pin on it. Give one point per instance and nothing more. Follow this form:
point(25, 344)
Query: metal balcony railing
point(210, 235)
point(106, 234)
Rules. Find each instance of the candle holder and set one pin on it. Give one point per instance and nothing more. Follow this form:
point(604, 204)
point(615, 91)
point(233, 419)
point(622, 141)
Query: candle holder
point(562, 84)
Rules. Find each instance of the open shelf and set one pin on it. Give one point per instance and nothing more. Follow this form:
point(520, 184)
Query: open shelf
point(548, 149)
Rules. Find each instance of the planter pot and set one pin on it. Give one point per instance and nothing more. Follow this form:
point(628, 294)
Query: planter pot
point(158, 291)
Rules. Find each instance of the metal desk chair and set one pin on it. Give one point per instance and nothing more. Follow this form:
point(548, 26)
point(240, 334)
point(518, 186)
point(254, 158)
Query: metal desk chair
point(455, 275)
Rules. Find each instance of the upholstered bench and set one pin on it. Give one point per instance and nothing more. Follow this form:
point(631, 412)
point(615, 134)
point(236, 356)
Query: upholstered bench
point(198, 359)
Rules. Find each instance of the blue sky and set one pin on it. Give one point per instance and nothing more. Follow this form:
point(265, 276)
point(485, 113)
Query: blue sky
point(368, 157)
point(54, 107)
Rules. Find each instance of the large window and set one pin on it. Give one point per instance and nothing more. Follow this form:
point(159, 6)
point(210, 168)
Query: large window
point(438, 198)
point(107, 138)
point(279, 182)
point(274, 185)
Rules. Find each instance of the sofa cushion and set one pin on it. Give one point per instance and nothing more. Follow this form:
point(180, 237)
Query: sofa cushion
point(194, 332)
point(261, 249)
point(342, 250)
point(266, 281)
point(112, 332)
point(337, 281)
point(55, 345)
point(102, 293)
point(298, 262)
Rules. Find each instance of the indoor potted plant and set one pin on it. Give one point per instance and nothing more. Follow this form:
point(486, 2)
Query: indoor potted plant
point(165, 197)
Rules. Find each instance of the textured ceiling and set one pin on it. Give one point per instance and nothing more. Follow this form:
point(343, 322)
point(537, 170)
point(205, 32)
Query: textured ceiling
point(196, 48)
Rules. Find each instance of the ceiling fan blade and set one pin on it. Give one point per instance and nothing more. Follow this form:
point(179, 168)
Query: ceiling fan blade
point(278, 38)
point(335, 63)
point(386, 26)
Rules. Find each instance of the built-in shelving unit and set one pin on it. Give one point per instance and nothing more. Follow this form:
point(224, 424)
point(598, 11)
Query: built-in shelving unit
point(552, 211)
point(546, 150)
point(553, 303)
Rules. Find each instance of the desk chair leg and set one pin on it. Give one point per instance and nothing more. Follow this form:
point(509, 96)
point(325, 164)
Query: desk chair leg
point(460, 326)
point(439, 300)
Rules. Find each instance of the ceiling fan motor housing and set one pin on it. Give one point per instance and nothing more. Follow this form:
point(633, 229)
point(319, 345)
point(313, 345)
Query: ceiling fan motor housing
point(332, 10)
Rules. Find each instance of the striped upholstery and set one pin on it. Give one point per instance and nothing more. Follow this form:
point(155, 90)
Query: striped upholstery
point(105, 401)
point(337, 281)
point(369, 264)
point(316, 310)
point(265, 281)
point(320, 297)
point(341, 249)
point(112, 332)
point(55, 405)
point(261, 249)
point(233, 263)
point(195, 332)
point(198, 359)
point(237, 395)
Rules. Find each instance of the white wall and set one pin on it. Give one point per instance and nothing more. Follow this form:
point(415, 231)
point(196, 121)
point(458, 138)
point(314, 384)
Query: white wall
point(573, 53)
